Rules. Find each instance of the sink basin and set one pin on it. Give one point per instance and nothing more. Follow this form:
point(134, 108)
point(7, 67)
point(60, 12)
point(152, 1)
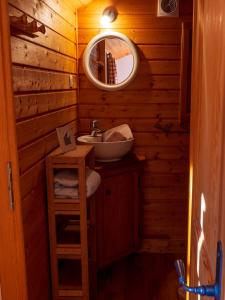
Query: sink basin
point(107, 151)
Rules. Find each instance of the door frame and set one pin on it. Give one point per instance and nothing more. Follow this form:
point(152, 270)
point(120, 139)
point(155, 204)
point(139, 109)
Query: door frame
point(12, 253)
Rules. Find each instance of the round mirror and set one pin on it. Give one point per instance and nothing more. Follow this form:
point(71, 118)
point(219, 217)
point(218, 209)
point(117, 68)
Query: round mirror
point(110, 61)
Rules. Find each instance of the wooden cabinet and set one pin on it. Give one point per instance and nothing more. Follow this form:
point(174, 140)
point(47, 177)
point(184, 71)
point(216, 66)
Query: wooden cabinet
point(116, 207)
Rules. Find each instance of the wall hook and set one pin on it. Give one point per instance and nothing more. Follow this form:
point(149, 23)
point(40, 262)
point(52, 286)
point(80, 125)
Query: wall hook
point(20, 25)
point(19, 20)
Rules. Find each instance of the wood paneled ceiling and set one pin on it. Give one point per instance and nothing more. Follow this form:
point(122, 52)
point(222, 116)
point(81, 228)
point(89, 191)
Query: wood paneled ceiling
point(117, 47)
point(83, 3)
point(79, 3)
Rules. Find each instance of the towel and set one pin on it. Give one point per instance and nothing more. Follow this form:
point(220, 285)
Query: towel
point(66, 177)
point(70, 188)
point(119, 133)
point(93, 180)
point(65, 192)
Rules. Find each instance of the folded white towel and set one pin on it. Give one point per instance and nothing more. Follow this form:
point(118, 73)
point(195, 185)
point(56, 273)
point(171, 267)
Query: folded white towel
point(65, 192)
point(93, 180)
point(66, 177)
point(119, 133)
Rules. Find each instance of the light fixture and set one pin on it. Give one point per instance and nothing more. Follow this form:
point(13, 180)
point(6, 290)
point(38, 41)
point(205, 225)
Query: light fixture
point(109, 15)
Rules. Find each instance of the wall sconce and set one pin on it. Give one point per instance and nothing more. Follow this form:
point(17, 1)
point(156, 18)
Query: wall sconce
point(109, 15)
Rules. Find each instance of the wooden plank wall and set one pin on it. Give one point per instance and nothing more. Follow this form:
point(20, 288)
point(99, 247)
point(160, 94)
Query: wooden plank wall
point(45, 98)
point(150, 105)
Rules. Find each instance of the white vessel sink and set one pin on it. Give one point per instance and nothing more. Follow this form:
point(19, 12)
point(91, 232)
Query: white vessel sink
point(107, 151)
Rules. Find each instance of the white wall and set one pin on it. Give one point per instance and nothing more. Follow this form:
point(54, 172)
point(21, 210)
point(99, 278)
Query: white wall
point(124, 67)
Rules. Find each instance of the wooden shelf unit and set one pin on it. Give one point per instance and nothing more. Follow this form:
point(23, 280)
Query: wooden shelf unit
point(68, 216)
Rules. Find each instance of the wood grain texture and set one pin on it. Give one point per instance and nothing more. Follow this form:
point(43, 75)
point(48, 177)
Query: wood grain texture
point(155, 82)
point(130, 97)
point(207, 193)
point(30, 105)
point(153, 124)
point(63, 9)
point(38, 150)
point(118, 199)
point(155, 66)
point(150, 106)
point(36, 245)
point(125, 21)
point(27, 53)
point(153, 52)
point(168, 111)
point(13, 282)
point(146, 276)
point(45, 87)
point(45, 15)
point(40, 126)
point(143, 7)
point(28, 79)
point(139, 36)
point(51, 40)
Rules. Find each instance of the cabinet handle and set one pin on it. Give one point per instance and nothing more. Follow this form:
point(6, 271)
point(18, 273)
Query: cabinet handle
point(108, 192)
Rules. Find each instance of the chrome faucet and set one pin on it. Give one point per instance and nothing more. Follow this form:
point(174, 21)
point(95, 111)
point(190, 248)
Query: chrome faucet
point(95, 130)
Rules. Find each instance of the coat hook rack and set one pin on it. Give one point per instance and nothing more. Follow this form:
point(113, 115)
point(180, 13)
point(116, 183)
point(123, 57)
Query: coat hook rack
point(20, 25)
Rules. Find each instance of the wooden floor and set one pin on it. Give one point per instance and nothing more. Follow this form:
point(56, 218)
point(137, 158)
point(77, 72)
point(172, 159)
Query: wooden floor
point(140, 277)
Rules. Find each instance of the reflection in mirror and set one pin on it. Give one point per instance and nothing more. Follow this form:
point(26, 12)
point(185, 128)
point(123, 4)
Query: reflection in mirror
point(111, 61)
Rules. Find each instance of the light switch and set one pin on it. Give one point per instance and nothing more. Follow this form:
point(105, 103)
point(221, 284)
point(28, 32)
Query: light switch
point(71, 81)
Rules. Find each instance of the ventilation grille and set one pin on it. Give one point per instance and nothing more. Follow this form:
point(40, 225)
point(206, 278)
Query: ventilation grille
point(168, 8)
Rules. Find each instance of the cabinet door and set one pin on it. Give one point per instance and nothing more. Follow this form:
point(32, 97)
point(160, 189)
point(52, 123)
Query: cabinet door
point(117, 218)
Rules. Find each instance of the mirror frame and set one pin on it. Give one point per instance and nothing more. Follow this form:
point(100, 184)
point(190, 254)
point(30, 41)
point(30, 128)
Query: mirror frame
point(86, 65)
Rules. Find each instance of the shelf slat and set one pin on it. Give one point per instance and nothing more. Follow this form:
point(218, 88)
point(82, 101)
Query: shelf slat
point(68, 251)
point(69, 207)
point(70, 293)
point(66, 200)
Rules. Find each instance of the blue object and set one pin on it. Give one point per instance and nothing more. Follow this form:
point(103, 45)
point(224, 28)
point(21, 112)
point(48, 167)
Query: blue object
point(203, 290)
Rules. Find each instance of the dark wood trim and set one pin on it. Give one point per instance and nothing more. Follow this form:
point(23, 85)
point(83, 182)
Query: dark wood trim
point(185, 74)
